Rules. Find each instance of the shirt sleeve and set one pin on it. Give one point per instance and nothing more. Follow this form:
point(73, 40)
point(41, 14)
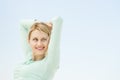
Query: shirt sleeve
point(54, 45)
point(24, 29)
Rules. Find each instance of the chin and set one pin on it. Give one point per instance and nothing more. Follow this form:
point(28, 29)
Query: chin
point(40, 53)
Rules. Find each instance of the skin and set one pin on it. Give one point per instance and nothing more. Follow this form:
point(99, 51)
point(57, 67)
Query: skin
point(39, 42)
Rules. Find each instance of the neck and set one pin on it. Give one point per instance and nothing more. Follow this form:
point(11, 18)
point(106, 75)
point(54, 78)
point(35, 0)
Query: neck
point(37, 58)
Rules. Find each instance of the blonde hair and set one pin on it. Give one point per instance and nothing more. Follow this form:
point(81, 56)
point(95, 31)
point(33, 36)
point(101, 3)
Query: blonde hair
point(41, 26)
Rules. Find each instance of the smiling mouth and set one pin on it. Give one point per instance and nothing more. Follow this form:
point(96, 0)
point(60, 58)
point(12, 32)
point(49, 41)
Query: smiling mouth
point(41, 48)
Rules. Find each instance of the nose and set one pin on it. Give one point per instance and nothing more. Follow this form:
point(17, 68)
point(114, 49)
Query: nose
point(39, 43)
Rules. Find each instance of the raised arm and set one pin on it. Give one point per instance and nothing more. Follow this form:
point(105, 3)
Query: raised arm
point(54, 45)
point(24, 29)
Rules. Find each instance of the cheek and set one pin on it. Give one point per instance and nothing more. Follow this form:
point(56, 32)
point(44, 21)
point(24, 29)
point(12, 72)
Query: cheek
point(32, 44)
point(46, 44)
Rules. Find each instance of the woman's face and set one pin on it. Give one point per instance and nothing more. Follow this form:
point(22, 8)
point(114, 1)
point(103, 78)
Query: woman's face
point(39, 41)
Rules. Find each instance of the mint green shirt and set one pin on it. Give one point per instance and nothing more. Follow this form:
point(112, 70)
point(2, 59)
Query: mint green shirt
point(43, 69)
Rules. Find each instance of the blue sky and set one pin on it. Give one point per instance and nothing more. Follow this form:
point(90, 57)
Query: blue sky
point(90, 43)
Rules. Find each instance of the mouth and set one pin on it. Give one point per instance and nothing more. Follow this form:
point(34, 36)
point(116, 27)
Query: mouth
point(40, 48)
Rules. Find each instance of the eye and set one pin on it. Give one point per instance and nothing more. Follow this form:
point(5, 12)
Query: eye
point(35, 39)
point(44, 39)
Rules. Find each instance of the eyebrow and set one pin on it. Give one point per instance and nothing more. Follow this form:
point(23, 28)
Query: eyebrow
point(41, 38)
point(44, 38)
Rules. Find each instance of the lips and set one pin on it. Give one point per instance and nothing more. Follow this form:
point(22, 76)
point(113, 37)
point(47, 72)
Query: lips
point(40, 48)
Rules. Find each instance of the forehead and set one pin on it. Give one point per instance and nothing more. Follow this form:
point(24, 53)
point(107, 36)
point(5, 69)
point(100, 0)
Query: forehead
point(39, 34)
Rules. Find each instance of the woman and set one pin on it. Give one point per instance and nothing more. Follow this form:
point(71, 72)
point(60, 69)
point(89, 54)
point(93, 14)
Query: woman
point(41, 46)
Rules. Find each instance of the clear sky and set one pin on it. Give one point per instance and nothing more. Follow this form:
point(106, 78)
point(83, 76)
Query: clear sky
point(90, 43)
